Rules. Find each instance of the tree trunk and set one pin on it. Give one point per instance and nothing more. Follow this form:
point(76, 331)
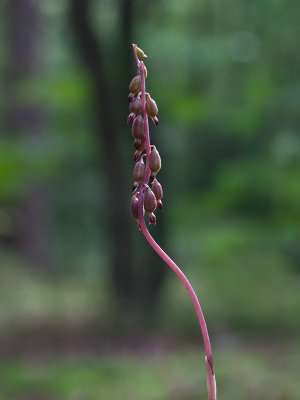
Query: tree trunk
point(131, 284)
point(25, 120)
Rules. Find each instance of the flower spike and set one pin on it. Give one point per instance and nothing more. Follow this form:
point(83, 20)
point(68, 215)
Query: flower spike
point(148, 199)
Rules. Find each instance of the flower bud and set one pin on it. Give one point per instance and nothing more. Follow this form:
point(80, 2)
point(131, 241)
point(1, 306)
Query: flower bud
point(134, 207)
point(135, 105)
point(137, 143)
point(157, 190)
point(139, 171)
point(138, 130)
point(140, 53)
point(130, 118)
point(154, 161)
point(136, 155)
point(139, 151)
point(130, 97)
point(151, 107)
point(152, 219)
point(155, 120)
point(152, 177)
point(160, 204)
point(149, 201)
point(134, 186)
point(135, 84)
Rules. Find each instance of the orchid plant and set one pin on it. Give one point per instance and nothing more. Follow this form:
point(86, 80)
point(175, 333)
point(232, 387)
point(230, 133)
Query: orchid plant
point(147, 199)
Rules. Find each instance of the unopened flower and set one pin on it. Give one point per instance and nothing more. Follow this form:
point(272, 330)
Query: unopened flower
point(149, 201)
point(138, 130)
point(140, 145)
point(152, 219)
point(151, 107)
point(135, 105)
point(135, 207)
point(138, 173)
point(137, 143)
point(135, 84)
point(157, 189)
point(158, 192)
point(154, 161)
point(150, 205)
point(130, 118)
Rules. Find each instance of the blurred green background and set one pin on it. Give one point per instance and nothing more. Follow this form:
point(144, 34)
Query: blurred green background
point(87, 310)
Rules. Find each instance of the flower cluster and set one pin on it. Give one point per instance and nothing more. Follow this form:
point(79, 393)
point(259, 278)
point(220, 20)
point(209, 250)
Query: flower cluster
point(139, 107)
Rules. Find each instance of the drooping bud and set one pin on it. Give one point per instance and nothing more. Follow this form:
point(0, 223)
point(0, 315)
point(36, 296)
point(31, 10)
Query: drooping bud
point(152, 219)
point(135, 84)
point(160, 204)
point(156, 121)
point(130, 97)
point(137, 143)
point(140, 53)
point(138, 130)
point(154, 161)
point(139, 171)
point(152, 177)
point(136, 155)
point(157, 189)
point(134, 207)
point(130, 118)
point(149, 201)
point(142, 145)
point(134, 186)
point(140, 149)
point(151, 107)
point(135, 105)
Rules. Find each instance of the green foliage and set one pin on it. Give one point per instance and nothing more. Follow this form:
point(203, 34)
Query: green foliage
point(225, 76)
point(246, 374)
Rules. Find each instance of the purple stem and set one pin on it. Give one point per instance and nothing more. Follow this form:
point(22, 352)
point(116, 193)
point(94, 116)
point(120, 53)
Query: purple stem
point(211, 382)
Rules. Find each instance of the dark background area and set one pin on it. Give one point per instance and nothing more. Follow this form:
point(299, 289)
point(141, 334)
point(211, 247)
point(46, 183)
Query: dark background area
point(87, 309)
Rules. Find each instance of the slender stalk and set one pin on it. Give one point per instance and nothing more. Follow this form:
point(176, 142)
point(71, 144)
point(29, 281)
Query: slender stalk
point(211, 382)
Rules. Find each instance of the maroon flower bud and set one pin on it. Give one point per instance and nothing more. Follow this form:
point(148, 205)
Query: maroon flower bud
point(134, 207)
point(134, 186)
point(135, 84)
point(157, 189)
point(141, 143)
point(155, 120)
point(130, 118)
point(139, 171)
point(154, 161)
point(136, 155)
point(137, 143)
point(135, 106)
point(149, 201)
point(138, 130)
point(151, 107)
point(152, 177)
point(130, 97)
point(159, 204)
point(152, 219)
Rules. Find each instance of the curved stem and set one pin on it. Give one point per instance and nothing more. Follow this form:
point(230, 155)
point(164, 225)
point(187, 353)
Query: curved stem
point(211, 382)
